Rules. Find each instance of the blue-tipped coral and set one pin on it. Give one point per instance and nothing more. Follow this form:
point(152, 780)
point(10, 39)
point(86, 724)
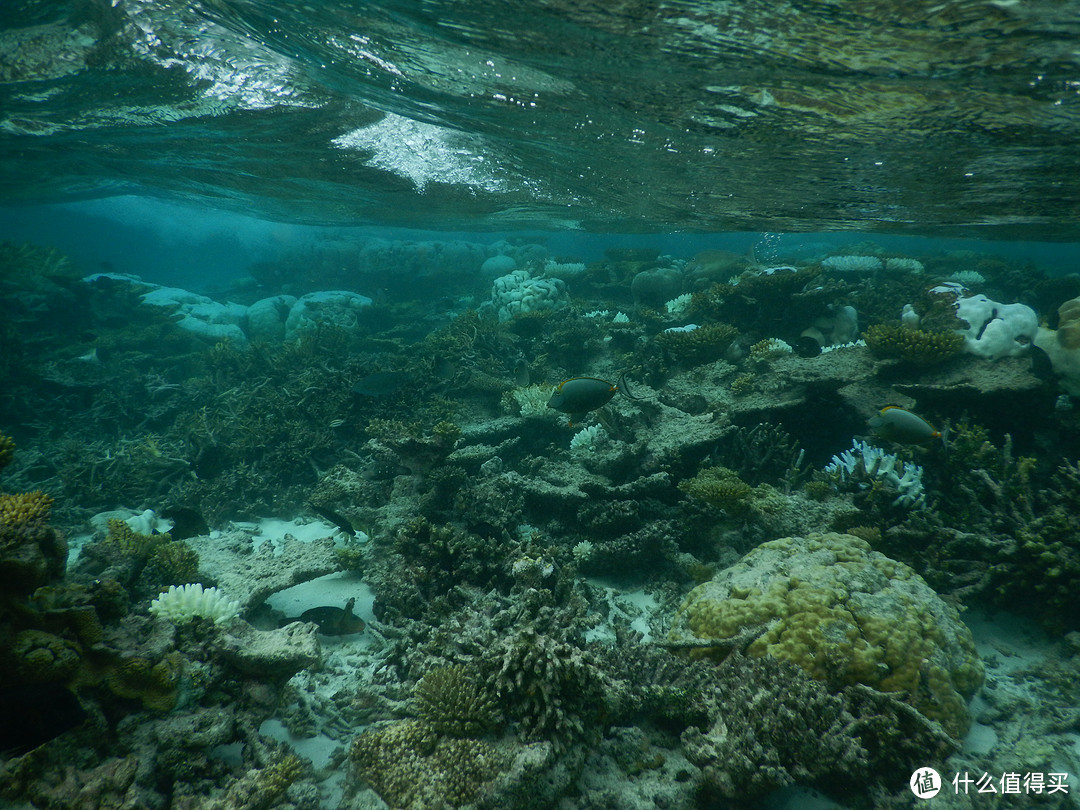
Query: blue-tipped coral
point(864, 464)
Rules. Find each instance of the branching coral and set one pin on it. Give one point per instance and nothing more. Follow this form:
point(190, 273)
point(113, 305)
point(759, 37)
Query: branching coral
point(7, 449)
point(870, 467)
point(133, 543)
point(769, 349)
point(719, 487)
point(550, 687)
point(24, 508)
point(915, 346)
point(192, 601)
point(453, 702)
point(412, 767)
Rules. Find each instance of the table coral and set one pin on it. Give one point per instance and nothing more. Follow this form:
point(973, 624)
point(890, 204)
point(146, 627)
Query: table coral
point(844, 613)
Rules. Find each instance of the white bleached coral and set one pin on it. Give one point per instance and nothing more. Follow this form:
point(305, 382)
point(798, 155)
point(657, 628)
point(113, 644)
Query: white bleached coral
point(192, 601)
point(532, 400)
point(994, 330)
point(586, 439)
point(679, 304)
point(518, 292)
point(864, 463)
point(853, 264)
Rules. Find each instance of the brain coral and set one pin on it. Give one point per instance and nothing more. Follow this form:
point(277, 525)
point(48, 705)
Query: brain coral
point(846, 614)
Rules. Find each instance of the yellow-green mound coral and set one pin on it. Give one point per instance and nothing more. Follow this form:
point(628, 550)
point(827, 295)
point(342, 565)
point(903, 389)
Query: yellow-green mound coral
point(846, 614)
point(154, 683)
point(916, 346)
point(720, 487)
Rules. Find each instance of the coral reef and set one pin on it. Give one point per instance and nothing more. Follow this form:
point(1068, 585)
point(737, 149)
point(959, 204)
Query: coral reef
point(719, 487)
point(549, 687)
point(192, 601)
point(916, 346)
point(873, 469)
point(451, 700)
point(412, 767)
point(846, 615)
point(703, 344)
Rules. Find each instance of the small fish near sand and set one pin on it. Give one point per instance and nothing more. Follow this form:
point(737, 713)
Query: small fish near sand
point(332, 621)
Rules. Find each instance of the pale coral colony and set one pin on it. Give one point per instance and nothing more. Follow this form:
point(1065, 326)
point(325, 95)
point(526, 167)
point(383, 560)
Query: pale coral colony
point(720, 585)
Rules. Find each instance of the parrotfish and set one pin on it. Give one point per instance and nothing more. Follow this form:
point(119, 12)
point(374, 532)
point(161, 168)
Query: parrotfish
point(902, 426)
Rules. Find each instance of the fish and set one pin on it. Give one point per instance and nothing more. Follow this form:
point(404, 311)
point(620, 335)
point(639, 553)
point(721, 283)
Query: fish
point(902, 426)
point(579, 395)
point(521, 372)
point(186, 522)
point(340, 521)
point(381, 383)
point(333, 621)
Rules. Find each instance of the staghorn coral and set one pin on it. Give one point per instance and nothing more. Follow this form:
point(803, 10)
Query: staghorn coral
point(24, 508)
point(915, 346)
point(453, 702)
point(880, 474)
point(765, 453)
point(412, 767)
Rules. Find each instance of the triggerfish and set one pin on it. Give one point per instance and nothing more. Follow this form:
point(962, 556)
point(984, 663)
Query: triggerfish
point(579, 395)
point(902, 426)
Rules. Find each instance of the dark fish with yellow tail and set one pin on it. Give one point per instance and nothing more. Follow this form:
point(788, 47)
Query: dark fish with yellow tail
point(579, 395)
point(900, 425)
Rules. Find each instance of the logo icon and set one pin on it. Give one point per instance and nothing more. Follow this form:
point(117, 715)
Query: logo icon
point(925, 783)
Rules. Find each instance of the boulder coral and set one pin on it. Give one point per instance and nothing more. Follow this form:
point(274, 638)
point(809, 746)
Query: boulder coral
point(844, 613)
point(1062, 346)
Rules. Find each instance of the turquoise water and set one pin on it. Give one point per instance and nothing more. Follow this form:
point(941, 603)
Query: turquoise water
point(535, 405)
